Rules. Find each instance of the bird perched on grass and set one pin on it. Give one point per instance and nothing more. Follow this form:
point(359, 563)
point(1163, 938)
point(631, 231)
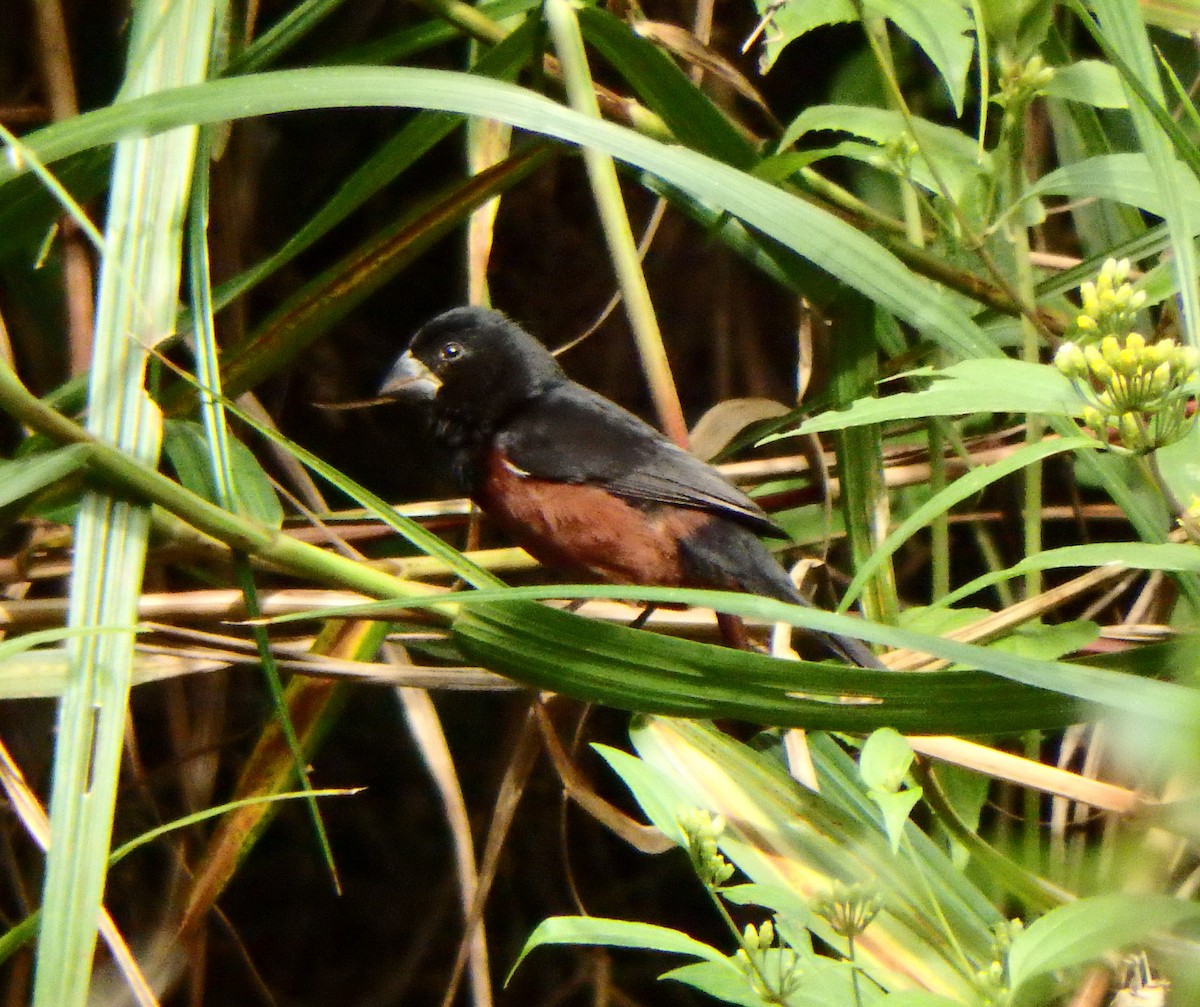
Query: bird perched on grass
point(583, 485)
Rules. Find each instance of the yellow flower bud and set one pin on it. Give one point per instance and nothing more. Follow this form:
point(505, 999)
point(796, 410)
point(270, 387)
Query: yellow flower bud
point(1160, 380)
point(1130, 429)
point(1070, 360)
point(1159, 353)
point(1190, 360)
point(1093, 418)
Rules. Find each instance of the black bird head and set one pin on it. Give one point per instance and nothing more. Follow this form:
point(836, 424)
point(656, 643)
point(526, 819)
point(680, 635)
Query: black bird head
point(473, 365)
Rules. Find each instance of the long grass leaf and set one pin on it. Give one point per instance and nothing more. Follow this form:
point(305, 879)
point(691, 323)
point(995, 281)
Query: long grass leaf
point(137, 299)
point(811, 232)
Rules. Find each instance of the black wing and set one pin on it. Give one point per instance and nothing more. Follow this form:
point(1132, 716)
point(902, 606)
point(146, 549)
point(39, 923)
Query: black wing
point(571, 434)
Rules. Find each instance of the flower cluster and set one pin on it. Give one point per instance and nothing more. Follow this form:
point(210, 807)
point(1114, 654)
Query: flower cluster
point(1021, 82)
point(774, 973)
point(1110, 304)
point(992, 981)
point(1136, 392)
point(701, 830)
point(849, 909)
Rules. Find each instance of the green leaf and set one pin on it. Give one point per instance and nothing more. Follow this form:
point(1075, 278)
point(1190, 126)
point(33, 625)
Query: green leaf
point(781, 834)
point(666, 90)
point(885, 760)
point(185, 444)
point(895, 808)
point(21, 478)
point(1047, 643)
point(822, 982)
point(653, 673)
point(1089, 928)
point(974, 482)
point(940, 27)
point(722, 982)
point(1168, 556)
point(1090, 81)
point(652, 789)
point(970, 386)
point(1179, 466)
point(795, 19)
point(812, 233)
point(956, 155)
point(884, 763)
point(599, 932)
point(1126, 178)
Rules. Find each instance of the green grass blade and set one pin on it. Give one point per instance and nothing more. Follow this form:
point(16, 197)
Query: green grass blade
point(813, 233)
point(136, 306)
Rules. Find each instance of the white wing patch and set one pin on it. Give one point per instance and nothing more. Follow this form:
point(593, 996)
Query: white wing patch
point(516, 470)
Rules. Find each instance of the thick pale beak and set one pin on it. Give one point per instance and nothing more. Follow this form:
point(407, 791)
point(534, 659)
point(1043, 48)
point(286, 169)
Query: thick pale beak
point(410, 379)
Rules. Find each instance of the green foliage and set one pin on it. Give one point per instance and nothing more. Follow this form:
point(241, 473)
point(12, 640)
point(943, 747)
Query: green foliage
point(997, 416)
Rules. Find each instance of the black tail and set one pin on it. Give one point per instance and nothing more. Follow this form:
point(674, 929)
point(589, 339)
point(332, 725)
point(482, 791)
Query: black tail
point(725, 555)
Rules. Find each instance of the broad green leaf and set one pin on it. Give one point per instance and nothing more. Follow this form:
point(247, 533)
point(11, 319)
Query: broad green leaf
point(1090, 81)
point(1048, 643)
point(662, 674)
point(649, 672)
point(895, 807)
point(600, 932)
point(955, 154)
point(186, 445)
point(22, 477)
point(1020, 25)
point(884, 763)
point(653, 790)
point(791, 20)
point(1126, 178)
point(940, 27)
point(1178, 466)
point(724, 982)
point(820, 982)
point(885, 760)
point(1085, 930)
point(1183, 18)
point(970, 386)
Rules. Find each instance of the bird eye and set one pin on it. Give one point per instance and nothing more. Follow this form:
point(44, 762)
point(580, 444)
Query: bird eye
point(451, 351)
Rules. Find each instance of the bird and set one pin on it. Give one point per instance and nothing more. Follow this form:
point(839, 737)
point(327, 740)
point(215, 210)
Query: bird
point(586, 487)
